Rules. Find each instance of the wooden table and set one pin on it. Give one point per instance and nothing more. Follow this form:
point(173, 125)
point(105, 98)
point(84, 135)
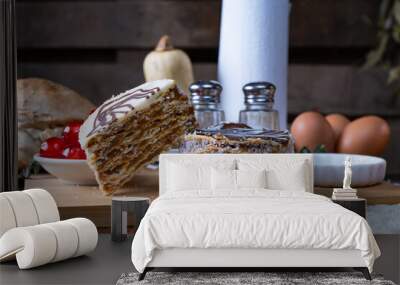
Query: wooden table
point(90, 202)
point(384, 193)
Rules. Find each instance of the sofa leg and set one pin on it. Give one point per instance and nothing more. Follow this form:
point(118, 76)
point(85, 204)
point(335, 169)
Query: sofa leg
point(142, 275)
point(364, 271)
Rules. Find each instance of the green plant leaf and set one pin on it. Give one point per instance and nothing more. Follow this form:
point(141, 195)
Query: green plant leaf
point(388, 35)
point(396, 33)
point(384, 9)
point(394, 74)
point(376, 55)
point(304, 149)
point(320, 149)
point(396, 11)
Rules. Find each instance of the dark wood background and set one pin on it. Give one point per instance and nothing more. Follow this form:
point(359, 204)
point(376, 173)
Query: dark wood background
point(97, 47)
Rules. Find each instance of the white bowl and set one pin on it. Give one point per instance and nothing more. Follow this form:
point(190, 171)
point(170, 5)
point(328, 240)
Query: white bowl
point(70, 171)
point(366, 170)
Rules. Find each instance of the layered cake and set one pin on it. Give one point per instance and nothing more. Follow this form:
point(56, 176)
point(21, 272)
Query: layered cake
point(237, 138)
point(132, 128)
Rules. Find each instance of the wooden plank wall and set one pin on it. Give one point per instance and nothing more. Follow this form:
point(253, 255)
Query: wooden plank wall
point(97, 48)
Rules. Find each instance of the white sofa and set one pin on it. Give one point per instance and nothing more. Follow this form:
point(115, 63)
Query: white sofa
point(31, 231)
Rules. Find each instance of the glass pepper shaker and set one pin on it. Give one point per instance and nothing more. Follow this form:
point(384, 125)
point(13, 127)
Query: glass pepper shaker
point(205, 98)
point(259, 103)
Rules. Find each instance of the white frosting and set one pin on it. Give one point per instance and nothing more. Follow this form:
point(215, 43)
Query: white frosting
point(125, 108)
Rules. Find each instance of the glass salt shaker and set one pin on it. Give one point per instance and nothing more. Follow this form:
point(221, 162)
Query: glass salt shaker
point(259, 103)
point(205, 98)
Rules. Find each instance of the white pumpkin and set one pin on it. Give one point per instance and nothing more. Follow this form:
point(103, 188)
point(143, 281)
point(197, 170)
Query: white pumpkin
point(166, 62)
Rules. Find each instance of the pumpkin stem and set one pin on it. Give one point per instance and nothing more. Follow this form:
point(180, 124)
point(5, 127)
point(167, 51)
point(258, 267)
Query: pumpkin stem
point(164, 44)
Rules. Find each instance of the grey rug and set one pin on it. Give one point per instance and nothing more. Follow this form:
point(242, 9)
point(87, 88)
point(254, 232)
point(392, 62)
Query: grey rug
point(269, 278)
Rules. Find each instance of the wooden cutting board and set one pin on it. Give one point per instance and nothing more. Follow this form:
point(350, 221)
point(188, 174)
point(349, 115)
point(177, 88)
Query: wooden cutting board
point(90, 202)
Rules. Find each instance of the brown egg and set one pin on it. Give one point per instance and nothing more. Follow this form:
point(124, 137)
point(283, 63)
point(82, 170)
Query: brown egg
point(366, 135)
point(338, 122)
point(311, 129)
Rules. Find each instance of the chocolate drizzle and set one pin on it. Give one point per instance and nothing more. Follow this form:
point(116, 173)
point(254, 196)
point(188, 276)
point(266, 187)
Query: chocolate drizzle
point(242, 132)
point(119, 105)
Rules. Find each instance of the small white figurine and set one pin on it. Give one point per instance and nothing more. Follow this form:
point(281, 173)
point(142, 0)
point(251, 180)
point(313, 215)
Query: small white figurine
point(346, 192)
point(347, 173)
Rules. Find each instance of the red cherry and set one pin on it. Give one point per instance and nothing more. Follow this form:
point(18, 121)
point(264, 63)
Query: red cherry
point(52, 147)
point(74, 153)
point(71, 133)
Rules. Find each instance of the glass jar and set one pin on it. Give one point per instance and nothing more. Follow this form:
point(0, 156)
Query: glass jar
point(205, 99)
point(259, 103)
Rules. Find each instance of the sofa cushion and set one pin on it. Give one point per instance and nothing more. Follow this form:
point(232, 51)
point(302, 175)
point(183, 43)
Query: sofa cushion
point(44, 243)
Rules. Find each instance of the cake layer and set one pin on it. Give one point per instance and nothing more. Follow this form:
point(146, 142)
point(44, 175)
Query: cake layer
point(237, 138)
point(117, 107)
point(117, 147)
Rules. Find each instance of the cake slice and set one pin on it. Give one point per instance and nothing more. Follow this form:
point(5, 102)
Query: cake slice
point(237, 138)
point(131, 129)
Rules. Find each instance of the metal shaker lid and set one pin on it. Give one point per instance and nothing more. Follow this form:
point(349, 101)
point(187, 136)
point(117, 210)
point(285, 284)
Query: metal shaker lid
point(205, 92)
point(259, 92)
